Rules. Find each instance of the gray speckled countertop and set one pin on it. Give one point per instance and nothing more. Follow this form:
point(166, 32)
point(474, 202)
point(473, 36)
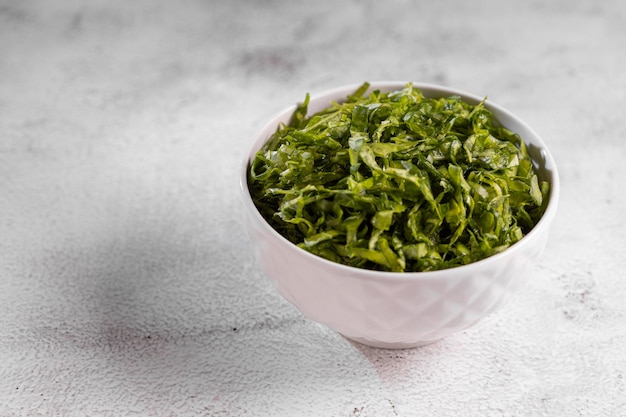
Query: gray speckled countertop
point(126, 282)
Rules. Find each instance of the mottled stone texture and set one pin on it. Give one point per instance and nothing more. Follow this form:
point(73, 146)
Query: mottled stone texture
point(127, 286)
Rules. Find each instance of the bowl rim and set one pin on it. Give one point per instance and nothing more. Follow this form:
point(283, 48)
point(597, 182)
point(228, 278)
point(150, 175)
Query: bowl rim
point(341, 92)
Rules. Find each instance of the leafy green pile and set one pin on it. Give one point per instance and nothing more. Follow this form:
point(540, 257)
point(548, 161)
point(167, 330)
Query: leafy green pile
point(398, 182)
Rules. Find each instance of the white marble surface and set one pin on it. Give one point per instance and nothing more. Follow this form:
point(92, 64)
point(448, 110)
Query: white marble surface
point(126, 282)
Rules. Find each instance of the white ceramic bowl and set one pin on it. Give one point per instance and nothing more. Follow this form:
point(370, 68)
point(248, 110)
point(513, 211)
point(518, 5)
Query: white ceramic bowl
point(390, 309)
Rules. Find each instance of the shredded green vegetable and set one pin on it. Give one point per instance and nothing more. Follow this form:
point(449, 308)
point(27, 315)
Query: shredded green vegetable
point(398, 182)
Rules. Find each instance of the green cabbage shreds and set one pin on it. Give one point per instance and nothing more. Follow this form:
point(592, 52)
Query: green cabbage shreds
point(398, 182)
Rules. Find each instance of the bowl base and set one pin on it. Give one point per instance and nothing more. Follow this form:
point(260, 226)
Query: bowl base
point(389, 345)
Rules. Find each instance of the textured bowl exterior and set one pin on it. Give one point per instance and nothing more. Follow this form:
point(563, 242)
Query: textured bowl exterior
point(398, 310)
